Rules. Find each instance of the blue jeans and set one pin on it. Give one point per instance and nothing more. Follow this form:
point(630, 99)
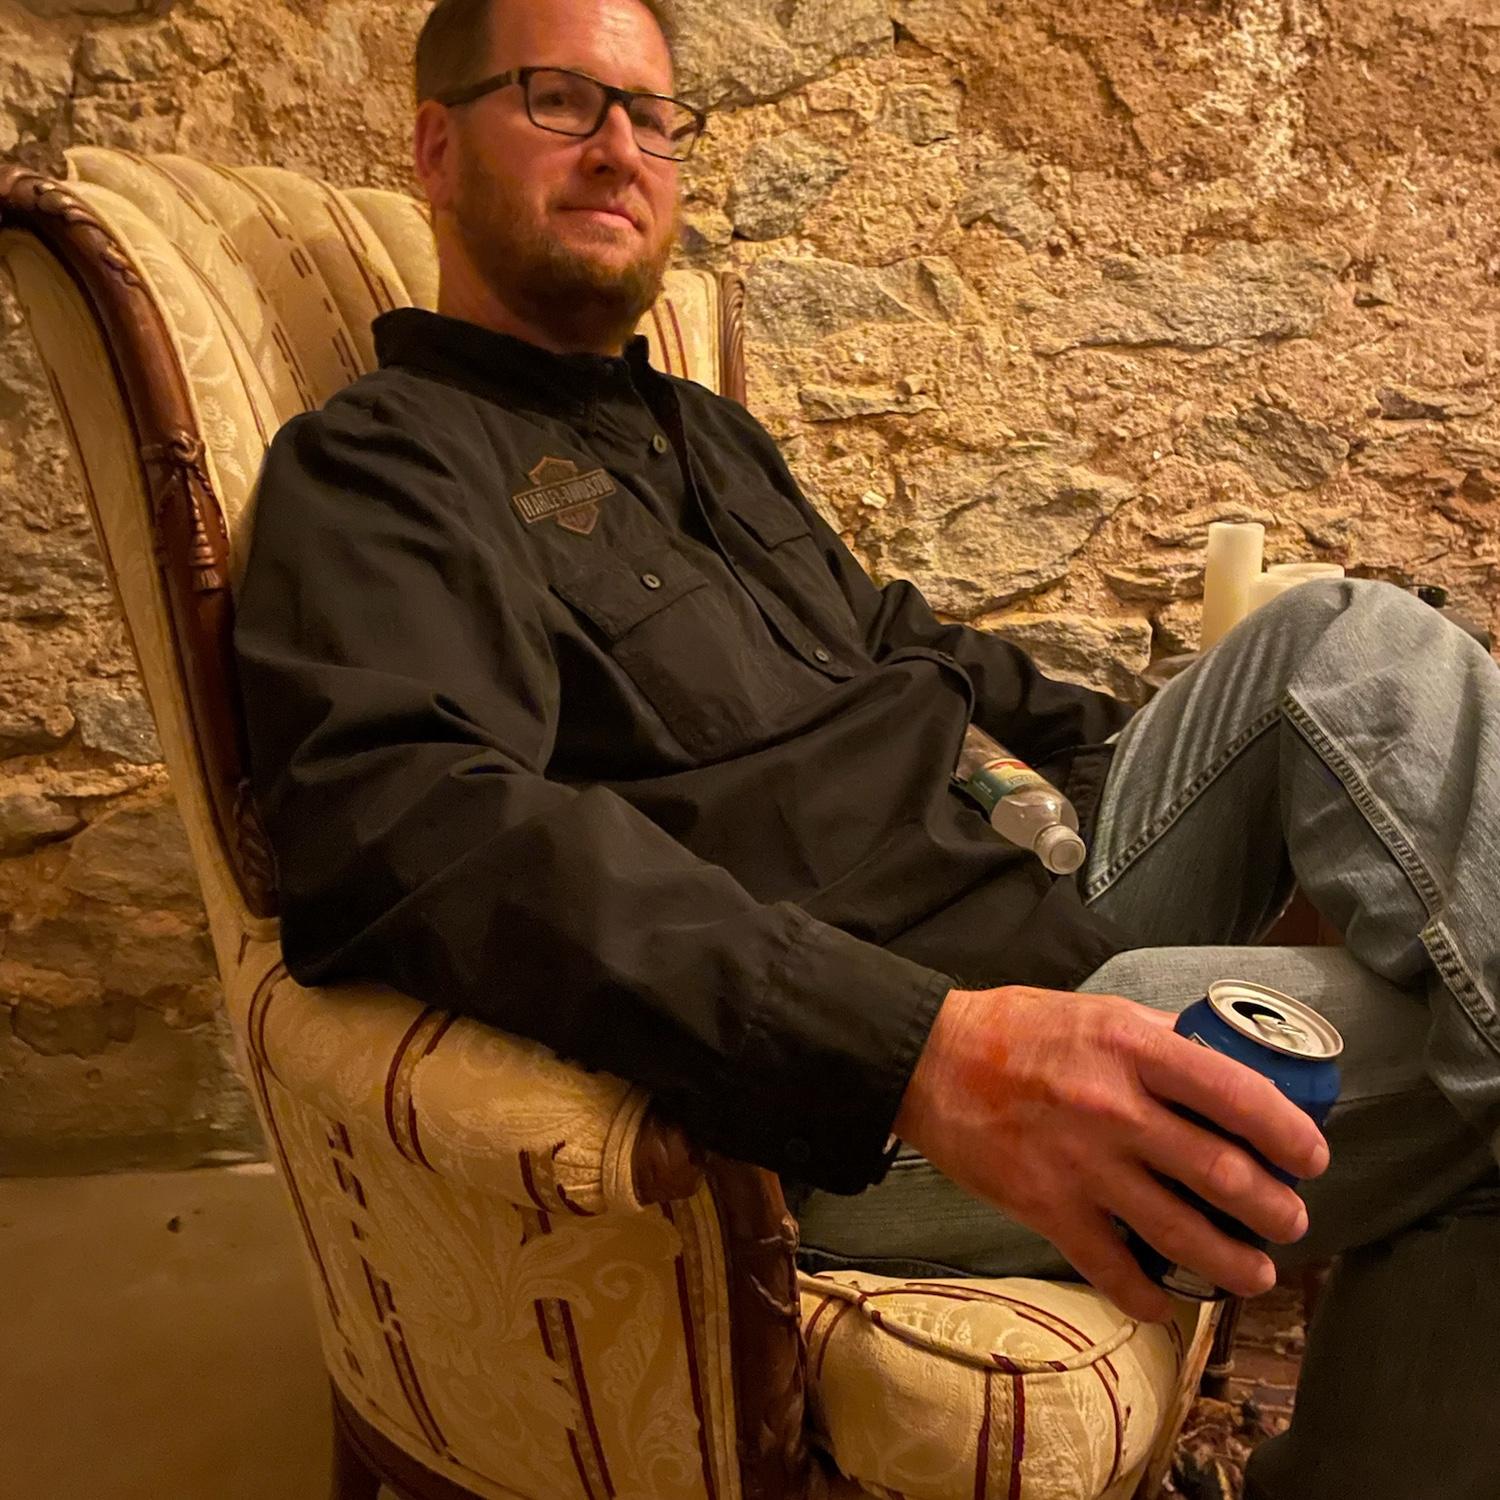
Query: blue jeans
point(1345, 738)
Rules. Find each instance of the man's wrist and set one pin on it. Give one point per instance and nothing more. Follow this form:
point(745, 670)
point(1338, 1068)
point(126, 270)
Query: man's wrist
point(910, 1112)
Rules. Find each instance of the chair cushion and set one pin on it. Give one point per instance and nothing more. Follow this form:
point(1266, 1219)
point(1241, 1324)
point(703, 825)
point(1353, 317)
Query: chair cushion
point(944, 1390)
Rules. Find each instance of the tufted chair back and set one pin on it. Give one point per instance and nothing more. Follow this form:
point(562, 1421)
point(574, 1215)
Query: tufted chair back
point(526, 1284)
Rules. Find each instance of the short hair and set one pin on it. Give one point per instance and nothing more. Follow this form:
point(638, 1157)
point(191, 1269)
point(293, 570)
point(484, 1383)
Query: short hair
point(455, 42)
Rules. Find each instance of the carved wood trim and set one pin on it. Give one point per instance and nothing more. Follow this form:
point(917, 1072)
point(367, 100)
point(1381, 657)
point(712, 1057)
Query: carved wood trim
point(760, 1242)
point(190, 540)
point(665, 1166)
point(732, 337)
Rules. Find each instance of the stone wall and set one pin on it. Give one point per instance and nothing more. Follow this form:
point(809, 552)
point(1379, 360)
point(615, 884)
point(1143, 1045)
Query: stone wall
point(1036, 290)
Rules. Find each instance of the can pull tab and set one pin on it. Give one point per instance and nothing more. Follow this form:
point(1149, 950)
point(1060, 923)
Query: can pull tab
point(1273, 1027)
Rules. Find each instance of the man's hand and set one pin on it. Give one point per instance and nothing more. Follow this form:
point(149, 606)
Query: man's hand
point(1056, 1108)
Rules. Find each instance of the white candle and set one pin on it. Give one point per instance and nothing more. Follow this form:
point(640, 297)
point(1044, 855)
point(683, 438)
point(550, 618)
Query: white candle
point(1235, 549)
point(1283, 576)
point(1302, 571)
point(1268, 586)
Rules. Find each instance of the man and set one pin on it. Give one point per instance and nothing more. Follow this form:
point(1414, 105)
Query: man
point(569, 712)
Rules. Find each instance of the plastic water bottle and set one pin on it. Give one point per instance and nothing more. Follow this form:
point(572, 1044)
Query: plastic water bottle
point(1023, 806)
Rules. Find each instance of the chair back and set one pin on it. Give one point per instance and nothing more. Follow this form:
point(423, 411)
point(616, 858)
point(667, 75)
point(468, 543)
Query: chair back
point(183, 311)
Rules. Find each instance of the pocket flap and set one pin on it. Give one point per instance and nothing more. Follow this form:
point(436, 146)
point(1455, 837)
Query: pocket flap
point(769, 518)
point(618, 594)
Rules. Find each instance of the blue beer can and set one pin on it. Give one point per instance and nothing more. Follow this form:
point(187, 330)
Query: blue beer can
point(1288, 1042)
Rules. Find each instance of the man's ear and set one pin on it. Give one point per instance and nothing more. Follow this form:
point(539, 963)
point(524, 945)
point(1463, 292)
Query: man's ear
point(433, 153)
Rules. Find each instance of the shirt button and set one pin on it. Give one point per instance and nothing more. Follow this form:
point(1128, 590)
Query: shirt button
point(651, 580)
point(821, 657)
point(798, 1152)
point(658, 444)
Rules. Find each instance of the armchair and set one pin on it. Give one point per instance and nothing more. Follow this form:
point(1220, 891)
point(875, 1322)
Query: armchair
point(527, 1283)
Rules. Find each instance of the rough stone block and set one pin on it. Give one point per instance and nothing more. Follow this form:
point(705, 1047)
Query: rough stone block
point(117, 719)
point(136, 857)
point(1232, 293)
point(1105, 654)
point(763, 49)
point(779, 181)
point(977, 532)
point(28, 821)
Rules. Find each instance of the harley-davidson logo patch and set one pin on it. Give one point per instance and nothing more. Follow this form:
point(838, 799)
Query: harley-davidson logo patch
point(560, 492)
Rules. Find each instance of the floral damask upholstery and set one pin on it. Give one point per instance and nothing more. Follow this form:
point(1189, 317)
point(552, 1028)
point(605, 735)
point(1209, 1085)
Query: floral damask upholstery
point(524, 1283)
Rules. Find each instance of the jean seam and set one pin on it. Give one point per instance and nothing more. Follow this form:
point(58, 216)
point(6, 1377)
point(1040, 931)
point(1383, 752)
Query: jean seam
point(1446, 959)
point(1454, 973)
point(1376, 813)
point(1164, 821)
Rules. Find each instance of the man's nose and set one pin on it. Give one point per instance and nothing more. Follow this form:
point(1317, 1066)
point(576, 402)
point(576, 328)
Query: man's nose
point(614, 144)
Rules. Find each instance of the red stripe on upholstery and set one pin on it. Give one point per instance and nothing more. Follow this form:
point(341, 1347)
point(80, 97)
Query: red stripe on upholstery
point(982, 1445)
point(260, 1069)
point(416, 1139)
point(439, 1034)
point(562, 1192)
point(1017, 1433)
point(833, 1322)
point(818, 1311)
point(661, 341)
point(1060, 1328)
point(681, 342)
point(695, 1375)
point(569, 1204)
point(1045, 1318)
point(375, 283)
point(411, 1388)
point(411, 1098)
point(393, 1079)
point(580, 1382)
point(383, 1300)
point(1108, 1376)
point(528, 1181)
point(581, 1466)
point(260, 1005)
point(540, 1309)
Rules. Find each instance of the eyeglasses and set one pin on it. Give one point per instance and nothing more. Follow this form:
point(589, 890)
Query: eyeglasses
point(574, 104)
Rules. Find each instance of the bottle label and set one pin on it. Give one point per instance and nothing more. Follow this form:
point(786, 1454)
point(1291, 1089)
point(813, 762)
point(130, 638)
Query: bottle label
point(1000, 778)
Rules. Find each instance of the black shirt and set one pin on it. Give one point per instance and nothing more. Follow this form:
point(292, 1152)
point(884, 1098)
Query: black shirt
point(568, 711)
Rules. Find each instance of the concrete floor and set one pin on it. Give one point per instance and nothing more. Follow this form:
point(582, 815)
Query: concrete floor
point(144, 1362)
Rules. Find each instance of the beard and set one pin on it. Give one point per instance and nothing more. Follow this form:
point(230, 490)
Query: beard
point(553, 285)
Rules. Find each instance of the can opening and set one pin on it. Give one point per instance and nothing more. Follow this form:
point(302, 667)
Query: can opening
point(1274, 1020)
point(1274, 1026)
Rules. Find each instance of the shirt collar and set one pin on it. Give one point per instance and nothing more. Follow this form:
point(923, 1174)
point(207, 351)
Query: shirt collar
point(487, 362)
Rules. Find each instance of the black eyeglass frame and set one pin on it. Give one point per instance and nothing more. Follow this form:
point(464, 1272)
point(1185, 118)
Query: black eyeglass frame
point(468, 93)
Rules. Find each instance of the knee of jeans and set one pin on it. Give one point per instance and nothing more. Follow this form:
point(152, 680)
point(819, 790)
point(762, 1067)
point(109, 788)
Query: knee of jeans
point(1309, 610)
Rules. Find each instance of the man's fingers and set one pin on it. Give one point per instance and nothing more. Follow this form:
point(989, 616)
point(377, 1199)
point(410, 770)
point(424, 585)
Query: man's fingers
point(1222, 1173)
point(1093, 1246)
point(1238, 1099)
point(1184, 1236)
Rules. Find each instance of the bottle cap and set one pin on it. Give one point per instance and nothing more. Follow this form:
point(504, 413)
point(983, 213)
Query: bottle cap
point(1060, 849)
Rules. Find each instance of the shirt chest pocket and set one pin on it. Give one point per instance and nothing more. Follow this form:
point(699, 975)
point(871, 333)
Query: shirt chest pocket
point(795, 567)
point(708, 668)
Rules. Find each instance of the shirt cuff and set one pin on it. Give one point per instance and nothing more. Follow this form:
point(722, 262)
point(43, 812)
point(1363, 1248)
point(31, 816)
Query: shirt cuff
point(827, 1058)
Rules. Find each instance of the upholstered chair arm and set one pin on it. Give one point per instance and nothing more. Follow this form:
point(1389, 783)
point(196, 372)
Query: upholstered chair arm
point(492, 1112)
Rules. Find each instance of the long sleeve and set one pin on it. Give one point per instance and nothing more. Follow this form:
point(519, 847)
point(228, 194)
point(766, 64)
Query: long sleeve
point(401, 686)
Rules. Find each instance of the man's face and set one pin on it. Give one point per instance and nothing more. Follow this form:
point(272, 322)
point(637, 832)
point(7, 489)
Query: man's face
point(572, 234)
